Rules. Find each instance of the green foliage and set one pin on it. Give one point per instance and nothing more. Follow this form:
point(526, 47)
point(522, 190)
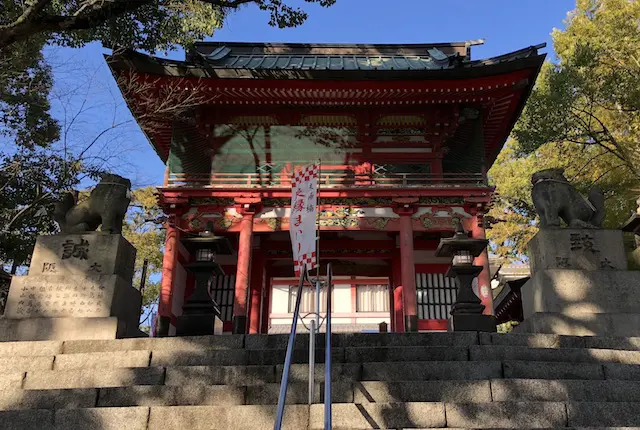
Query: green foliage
point(25, 83)
point(506, 327)
point(591, 95)
point(139, 24)
point(583, 115)
point(143, 229)
point(513, 217)
point(30, 182)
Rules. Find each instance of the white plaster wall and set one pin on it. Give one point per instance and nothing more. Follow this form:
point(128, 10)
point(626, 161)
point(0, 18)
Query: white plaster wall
point(341, 299)
point(384, 317)
point(342, 304)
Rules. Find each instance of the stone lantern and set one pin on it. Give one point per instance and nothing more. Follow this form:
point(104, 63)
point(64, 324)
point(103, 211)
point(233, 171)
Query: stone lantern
point(200, 312)
point(466, 313)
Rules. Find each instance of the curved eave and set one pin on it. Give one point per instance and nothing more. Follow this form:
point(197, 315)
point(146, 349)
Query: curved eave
point(141, 63)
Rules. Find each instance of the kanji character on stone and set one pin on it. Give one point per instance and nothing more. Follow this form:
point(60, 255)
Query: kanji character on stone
point(79, 250)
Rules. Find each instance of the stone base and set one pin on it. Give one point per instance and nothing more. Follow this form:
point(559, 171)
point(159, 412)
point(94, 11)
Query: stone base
point(472, 322)
point(615, 324)
point(198, 325)
point(577, 292)
point(81, 254)
point(65, 329)
point(69, 296)
point(577, 249)
point(582, 303)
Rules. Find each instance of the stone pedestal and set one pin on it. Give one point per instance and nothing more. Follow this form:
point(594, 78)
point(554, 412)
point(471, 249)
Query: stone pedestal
point(78, 287)
point(580, 286)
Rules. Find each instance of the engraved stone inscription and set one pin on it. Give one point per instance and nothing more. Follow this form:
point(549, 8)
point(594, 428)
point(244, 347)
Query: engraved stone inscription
point(563, 262)
point(606, 264)
point(75, 298)
point(48, 267)
point(583, 241)
point(75, 250)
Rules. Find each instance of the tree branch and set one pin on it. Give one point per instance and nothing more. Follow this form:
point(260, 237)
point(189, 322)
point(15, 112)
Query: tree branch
point(96, 13)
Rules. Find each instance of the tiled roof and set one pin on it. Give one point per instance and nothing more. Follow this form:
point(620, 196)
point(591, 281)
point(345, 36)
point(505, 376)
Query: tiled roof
point(433, 58)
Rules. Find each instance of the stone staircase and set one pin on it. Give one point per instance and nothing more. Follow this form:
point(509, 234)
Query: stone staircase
point(459, 380)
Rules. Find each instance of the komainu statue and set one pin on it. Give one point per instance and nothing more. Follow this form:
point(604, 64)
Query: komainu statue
point(107, 205)
point(555, 198)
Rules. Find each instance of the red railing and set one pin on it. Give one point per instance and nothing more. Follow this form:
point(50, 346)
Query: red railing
point(332, 176)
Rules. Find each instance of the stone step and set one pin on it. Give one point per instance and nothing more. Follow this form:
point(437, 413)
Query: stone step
point(279, 341)
point(17, 399)
point(30, 349)
point(434, 370)
point(506, 390)
point(92, 378)
point(560, 341)
point(102, 360)
point(186, 344)
point(567, 355)
point(220, 375)
point(553, 370)
point(516, 390)
point(512, 415)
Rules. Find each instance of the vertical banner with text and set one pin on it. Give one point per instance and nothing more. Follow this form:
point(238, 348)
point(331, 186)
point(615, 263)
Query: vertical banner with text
point(302, 222)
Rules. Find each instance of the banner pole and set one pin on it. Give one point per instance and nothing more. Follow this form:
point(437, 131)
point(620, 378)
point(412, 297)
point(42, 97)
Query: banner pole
point(318, 284)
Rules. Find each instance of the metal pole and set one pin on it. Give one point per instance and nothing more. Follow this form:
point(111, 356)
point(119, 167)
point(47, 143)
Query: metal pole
point(327, 357)
point(289, 356)
point(312, 360)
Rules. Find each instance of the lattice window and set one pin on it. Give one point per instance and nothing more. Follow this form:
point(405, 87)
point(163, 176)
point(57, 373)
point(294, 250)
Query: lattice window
point(372, 298)
point(223, 293)
point(308, 304)
point(436, 293)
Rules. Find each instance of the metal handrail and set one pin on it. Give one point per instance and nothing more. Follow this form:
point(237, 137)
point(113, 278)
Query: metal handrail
point(284, 383)
point(327, 353)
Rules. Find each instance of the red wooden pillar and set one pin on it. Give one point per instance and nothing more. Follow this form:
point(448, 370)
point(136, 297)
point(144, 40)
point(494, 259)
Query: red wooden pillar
point(484, 278)
point(266, 297)
point(408, 272)
point(243, 273)
point(169, 264)
point(397, 318)
point(257, 280)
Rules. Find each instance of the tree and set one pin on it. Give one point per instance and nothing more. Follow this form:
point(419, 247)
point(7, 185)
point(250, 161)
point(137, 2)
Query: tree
point(142, 24)
point(32, 177)
point(513, 217)
point(590, 97)
point(143, 229)
point(25, 84)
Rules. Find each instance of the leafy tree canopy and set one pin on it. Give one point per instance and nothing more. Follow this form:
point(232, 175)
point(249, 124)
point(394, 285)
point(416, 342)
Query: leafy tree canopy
point(25, 83)
point(583, 115)
point(513, 216)
point(591, 95)
point(141, 24)
point(143, 229)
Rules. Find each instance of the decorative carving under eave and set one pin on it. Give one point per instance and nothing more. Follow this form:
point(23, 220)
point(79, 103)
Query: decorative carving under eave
point(555, 198)
point(211, 201)
point(107, 206)
point(341, 212)
point(431, 222)
point(441, 200)
point(379, 223)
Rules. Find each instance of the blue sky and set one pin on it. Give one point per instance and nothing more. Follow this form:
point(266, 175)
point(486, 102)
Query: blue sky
point(506, 25)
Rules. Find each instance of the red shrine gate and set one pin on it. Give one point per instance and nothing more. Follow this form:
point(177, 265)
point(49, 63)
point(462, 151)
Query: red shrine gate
point(406, 134)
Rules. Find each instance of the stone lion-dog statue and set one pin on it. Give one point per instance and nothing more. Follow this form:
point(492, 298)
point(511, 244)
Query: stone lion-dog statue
point(555, 198)
point(107, 206)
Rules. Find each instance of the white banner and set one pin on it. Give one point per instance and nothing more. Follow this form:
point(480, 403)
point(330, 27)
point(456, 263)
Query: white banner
point(302, 223)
